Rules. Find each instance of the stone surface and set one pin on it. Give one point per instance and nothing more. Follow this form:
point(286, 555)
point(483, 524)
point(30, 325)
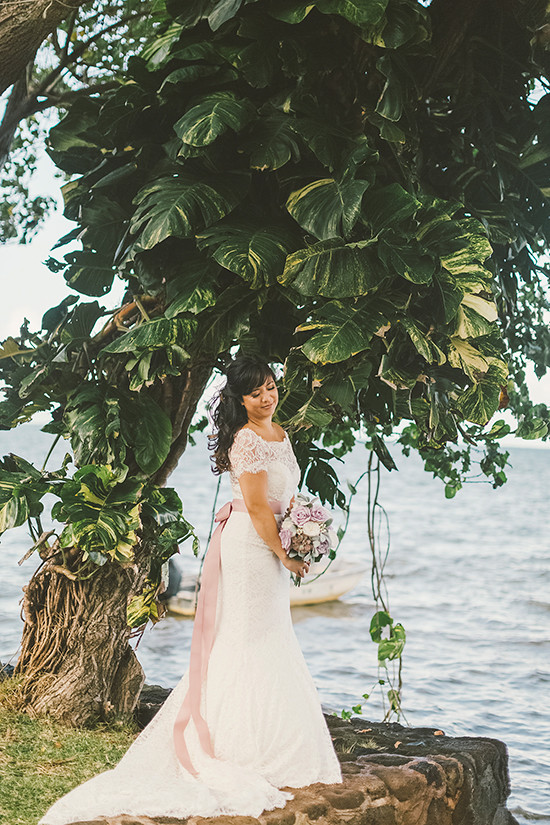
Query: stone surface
point(6, 671)
point(392, 776)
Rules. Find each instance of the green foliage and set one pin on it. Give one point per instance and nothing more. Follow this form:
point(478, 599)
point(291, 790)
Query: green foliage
point(22, 488)
point(328, 184)
point(166, 528)
point(390, 646)
point(87, 53)
point(20, 212)
point(101, 512)
point(180, 206)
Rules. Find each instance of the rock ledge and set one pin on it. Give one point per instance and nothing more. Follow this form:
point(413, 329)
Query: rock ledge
point(392, 776)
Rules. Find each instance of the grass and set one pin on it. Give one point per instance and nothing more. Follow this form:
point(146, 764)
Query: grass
point(40, 759)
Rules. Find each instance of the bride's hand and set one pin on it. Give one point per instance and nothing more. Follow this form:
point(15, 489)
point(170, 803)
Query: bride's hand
point(296, 566)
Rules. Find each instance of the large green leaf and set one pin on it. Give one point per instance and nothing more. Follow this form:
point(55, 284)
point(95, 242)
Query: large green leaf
point(389, 206)
point(222, 11)
point(472, 324)
point(451, 296)
point(14, 510)
point(479, 402)
point(193, 299)
point(158, 51)
point(81, 321)
point(311, 414)
point(272, 143)
point(92, 420)
point(327, 208)
point(213, 116)
point(390, 102)
point(336, 148)
point(228, 321)
point(188, 74)
point(334, 269)
point(358, 12)
point(182, 205)
point(402, 23)
point(469, 359)
point(148, 430)
point(89, 273)
point(410, 262)
point(290, 11)
point(468, 242)
point(22, 487)
point(343, 330)
point(104, 221)
point(158, 333)
point(253, 251)
point(423, 343)
point(101, 509)
point(191, 291)
point(74, 143)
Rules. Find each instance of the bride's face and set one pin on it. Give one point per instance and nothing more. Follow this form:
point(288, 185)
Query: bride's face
point(262, 401)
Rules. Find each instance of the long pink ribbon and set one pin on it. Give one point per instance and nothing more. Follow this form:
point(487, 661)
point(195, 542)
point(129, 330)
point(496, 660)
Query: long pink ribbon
point(202, 639)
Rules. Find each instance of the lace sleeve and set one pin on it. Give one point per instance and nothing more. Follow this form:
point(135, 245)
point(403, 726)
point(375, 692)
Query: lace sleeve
point(248, 453)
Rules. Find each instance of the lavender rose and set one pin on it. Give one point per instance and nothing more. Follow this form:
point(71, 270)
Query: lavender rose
point(300, 515)
point(286, 538)
point(318, 513)
point(323, 547)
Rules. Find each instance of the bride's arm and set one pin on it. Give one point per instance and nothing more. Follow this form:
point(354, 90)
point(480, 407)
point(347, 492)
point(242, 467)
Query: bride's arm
point(254, 490)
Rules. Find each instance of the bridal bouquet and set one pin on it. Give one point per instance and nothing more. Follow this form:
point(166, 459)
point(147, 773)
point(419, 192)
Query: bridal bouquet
point(305, 530)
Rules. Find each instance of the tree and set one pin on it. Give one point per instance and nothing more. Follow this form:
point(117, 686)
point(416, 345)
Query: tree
point(52, 54)
point(328, 184)
point(23, 27)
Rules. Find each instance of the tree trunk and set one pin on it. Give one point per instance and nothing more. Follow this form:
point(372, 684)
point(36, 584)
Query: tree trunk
point(76, 660)
point(23, 27)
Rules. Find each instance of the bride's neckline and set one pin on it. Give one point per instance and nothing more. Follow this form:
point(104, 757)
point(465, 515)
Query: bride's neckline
point(267, 441)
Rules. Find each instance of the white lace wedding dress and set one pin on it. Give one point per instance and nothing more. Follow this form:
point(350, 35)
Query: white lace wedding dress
point(259, 701)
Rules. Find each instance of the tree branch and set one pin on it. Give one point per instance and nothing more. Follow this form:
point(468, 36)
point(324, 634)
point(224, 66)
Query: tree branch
point(70, 29)
point(78, 51)
point(24, 105)
point(23, 27)
point(197, 380)
point(9, 123)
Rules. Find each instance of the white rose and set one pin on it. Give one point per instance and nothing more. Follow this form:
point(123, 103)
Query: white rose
point(311, 528)
point(332, 537)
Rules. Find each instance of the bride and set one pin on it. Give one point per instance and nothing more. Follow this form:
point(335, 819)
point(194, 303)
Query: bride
point(245, 721)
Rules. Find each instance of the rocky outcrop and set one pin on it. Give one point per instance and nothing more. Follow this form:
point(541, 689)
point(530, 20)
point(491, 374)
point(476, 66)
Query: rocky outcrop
point(392, 775)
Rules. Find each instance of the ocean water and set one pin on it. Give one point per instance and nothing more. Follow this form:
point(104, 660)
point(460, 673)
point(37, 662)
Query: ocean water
point(468, 578)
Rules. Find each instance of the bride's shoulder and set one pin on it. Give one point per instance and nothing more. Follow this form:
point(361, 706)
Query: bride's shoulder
point(246, 439)
point(248, 452)
point(283, 434)
point(245, 434)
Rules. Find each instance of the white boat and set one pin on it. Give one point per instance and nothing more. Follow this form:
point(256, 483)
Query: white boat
point(340, 577)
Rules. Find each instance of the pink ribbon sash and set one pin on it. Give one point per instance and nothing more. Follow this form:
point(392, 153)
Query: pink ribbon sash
point(202, 639)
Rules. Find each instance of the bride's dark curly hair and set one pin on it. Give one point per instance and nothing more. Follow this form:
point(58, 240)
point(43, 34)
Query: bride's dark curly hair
point(244, 374)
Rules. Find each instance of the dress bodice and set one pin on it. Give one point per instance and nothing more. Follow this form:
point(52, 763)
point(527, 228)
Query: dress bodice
point(250, 453)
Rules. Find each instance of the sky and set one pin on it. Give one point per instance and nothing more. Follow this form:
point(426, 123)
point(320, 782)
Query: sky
point(30, 288)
